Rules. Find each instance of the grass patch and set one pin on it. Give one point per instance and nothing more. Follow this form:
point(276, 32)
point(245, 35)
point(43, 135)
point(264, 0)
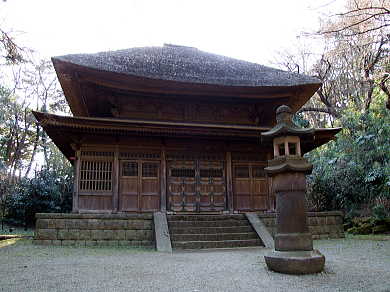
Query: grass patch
point(28, 246)
point(377, 237)
point(8, 242)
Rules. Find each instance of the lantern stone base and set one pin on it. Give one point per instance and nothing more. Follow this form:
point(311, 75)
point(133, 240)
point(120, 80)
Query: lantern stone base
point(295, 262)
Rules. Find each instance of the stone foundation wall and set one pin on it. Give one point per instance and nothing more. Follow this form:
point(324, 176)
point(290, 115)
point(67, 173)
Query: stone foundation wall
point(138, 229)
point(322, 225)
point(94, 229)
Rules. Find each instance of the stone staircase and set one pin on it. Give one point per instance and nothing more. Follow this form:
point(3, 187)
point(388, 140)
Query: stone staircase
point(211, 231)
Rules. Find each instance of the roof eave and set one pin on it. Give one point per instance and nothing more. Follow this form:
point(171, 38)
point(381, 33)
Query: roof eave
point(72, 75)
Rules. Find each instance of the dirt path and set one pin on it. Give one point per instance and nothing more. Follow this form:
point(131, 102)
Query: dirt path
point(351, 265)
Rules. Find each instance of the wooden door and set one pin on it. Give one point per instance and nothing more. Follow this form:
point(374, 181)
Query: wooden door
point(250, 188)
point(182, 193)
point(211, 186)
point(139, 185)
point(196, 186)
point(259, 188)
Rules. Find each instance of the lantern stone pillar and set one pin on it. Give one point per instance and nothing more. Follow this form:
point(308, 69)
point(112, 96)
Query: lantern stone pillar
point(293, 253)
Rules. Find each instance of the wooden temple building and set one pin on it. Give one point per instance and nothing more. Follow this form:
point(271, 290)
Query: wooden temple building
point(172, 129)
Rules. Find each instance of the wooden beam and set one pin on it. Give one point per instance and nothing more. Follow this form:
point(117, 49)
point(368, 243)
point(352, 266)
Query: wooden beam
point(166, 87)
point(115, 181)
point(271, 197)
point(163, 173)
point(75, 205)
point(229, 178)
point(73, 94)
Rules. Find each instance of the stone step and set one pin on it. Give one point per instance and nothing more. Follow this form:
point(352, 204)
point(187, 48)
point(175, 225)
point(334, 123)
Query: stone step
point(214, 237)
point(216, 244)
point(218, 223)
point(205, 217)
point(210, 230)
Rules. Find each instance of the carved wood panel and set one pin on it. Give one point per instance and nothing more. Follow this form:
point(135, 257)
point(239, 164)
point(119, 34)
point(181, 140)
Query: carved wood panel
point(196, 186)
point(181, 188)
point(212, 186)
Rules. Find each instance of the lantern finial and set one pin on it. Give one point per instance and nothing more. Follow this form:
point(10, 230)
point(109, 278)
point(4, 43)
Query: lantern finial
point(284, 114)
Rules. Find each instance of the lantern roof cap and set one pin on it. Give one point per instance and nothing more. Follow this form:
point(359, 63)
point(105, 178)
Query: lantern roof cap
point(285, 125)
point(290, 163)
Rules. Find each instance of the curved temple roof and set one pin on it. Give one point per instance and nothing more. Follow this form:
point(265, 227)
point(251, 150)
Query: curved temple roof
point(187, 64)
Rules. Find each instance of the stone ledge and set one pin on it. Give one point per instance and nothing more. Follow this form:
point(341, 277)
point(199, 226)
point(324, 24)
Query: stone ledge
point(93, 229)
point(309, 214)
point(98, 243)
point(93, 224)
point(325, 213)
point(109, 216)
point(95, 234)
point(322, 225)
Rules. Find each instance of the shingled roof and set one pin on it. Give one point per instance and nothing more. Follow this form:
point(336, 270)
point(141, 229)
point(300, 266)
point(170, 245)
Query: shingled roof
point(187, 64)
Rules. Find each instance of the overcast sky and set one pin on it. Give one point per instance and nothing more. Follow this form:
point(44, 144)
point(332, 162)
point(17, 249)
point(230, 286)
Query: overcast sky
point(249, 30)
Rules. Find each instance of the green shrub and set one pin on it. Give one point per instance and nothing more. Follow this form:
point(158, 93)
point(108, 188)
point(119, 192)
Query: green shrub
point(353, 172)
point(380, 229)
point(49, 192)
point(379, 212)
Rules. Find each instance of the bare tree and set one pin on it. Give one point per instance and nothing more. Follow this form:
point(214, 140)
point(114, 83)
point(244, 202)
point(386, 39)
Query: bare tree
point(360, 17)
point(9, 49)
point(366, 22)
point(354, 66)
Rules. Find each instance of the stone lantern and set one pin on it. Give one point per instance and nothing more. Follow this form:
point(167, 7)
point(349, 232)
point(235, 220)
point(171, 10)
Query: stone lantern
point(293, 252)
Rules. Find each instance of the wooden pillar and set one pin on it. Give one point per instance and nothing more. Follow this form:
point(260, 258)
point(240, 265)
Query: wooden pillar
point(115, 181)
point(229, 181)
point(75, 205)
point(271, 197)
point(163, 173)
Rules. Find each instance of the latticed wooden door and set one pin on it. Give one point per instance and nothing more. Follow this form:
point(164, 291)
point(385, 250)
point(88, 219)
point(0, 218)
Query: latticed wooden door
point(139, 185)
point(250, 187)
point(182, 191)
point(212, 190)
point(196, 186)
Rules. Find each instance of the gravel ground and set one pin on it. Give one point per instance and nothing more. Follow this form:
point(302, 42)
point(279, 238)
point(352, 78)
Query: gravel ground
point(351, 265)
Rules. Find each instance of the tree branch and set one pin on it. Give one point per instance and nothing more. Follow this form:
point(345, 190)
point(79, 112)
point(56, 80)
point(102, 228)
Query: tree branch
point(385, 89)
point(314, 109)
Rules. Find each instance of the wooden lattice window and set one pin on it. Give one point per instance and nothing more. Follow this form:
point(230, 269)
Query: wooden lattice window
point(97, 153)
point(130, 168)
point(95, 175)
point(140, 155)
point(206, 156)
point(211, 172)
point(183, 172)
point(150, 169)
